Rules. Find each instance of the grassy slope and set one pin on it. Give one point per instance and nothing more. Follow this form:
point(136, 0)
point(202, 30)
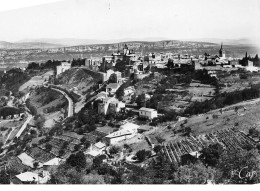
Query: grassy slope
point(37, 101)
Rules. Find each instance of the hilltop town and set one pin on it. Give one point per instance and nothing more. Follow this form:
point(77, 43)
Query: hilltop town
point(130, 113)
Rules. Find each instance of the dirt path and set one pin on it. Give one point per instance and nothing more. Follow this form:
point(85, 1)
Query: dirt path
point(24, 125)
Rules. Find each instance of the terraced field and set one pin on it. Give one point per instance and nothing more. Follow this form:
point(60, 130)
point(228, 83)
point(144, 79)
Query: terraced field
point(231, 139)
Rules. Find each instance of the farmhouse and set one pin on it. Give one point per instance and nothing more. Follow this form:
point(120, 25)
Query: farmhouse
point(147, 113)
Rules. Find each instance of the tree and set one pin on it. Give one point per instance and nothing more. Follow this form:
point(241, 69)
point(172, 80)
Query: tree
point(114, 150)
point(112, 78)
point(120, 92)
point(65, 145)
point(39, 121)
point(193, 174)
point(48, 147)
point(4, 177)
point(157, 148)
point(61, 152)
point(253, 132)
point(238, 167)
point(187, 131)
point(142, 154)
point(97, 161)
point(77, 147)
point(77, 160)
point(210, 155)
point(35, 165)
point(140, 100)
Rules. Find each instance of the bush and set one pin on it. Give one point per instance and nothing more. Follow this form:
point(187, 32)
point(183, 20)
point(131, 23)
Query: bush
point(160, 139)
point(77, 160)
point(253, 132)
point(65, 145)
point(157, 148)
point(114, 150)
point(76, 147)
point(97, 161)
point(142, 154)
point(48, 147)
point(61, 152)
point(3, 128)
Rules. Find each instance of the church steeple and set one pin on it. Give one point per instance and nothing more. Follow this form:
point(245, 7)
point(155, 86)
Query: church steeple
point(221, 51)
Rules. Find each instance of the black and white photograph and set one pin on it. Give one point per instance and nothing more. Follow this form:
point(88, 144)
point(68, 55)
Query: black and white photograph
point(129, 92)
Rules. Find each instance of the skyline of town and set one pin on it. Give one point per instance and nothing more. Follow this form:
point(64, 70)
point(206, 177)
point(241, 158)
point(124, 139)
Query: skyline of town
point(107, 19)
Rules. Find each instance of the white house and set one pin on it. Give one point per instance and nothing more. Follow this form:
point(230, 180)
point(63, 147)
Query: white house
point(252, 68)
point(63, 67)
point(96, 149)
point(147, 113)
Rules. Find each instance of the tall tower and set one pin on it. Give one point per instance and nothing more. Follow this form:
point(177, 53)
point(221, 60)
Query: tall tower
point(221, 52)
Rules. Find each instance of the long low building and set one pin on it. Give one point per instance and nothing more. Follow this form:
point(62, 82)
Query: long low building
point(125, 132)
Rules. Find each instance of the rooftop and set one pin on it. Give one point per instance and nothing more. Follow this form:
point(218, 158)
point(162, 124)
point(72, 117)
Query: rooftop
point(100, 145)
point(27, 160)
point(113, 85)
point(56, 161)
point(27, 176)
point(146, 109)
point(119, 133)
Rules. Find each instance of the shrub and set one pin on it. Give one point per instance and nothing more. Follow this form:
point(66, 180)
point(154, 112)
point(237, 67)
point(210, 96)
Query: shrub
point(48, 147)
point(76, 147)
point(65, 145)
point(142, 154)
point(160, 139)
point(61, 152)
point(157, 148)
point(114, 150)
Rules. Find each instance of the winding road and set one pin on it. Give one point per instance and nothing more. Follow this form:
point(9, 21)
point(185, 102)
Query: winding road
point(70, 107)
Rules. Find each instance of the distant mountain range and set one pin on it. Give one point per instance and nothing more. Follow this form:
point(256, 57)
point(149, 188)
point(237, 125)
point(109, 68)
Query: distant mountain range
point(27, 45)
point(66, 42)
point(242, 41)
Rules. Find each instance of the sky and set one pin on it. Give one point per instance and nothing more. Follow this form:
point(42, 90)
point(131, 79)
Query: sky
point(119, 19)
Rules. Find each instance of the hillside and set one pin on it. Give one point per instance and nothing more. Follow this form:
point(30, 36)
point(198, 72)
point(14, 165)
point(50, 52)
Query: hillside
point(77, 80)
point(49, 103)
point(12, 80)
